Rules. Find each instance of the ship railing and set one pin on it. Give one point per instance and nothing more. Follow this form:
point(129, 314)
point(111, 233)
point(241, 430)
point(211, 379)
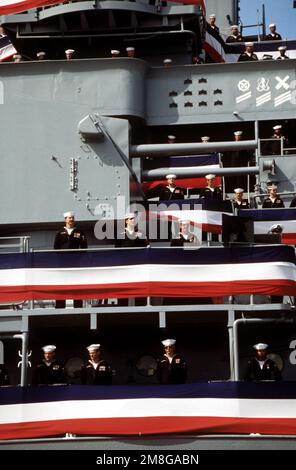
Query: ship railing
point(269, 141)
point(12, 245)
point(113, 304)
point(20, 243)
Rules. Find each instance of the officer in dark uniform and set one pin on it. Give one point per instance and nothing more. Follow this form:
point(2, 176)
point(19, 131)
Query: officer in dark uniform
point(248, 55)
point(212, 23)
point(70, 238)
point(237, 158)
point(49, 371)
point(131, 237)
point(273, 200)
point(275, 145)
point(239, 202)
point(171, 191)
point(293, 202)
point(234, 36)
point(171, 367)
point(4, 377)
point(273, 35)
point(283, 55)
point(96, 371)
point(260, 367)
point(210, 191)
point(184, 236)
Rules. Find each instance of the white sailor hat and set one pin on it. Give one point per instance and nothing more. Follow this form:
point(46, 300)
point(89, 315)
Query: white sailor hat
point(238, 133)
point(234, 26)
point(271, 25)
point(278, 126)
point(272, 186)
point(251, 44)
point(168, 342)
point(41, 54)
point(282, 48)
point(278, 228)
point(130, 49)
point(171, 176)
point(205, 138)
point(115, 52)
point(167, 61)
point(260, 346)
point(69, 51)
point(212, 15)
point(238, 190)
point(129, 215)
point(171, 137)
point(69, 214)
point(184, 222)
point(93, 347)
point(49, 348)
point(210, 176)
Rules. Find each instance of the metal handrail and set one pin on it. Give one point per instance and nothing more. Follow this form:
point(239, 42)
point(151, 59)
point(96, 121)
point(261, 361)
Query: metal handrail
point(23, 244)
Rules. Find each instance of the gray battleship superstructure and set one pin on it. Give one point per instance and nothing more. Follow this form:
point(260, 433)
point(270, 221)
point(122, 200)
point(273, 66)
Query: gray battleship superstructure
point(77, 135)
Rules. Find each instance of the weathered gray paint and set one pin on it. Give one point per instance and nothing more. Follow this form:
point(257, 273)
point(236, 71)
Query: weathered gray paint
point(223, 77)
point(284, 173)
point(43, 104)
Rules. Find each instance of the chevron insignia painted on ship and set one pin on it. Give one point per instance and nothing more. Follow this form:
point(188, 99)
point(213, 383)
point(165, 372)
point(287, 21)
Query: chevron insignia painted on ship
point(282, 98)
point(244, 97)
point(263, 99)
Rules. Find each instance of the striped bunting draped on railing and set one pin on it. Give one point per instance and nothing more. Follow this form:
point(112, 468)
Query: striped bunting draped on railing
point(264, 219)
point(203, 213)
point(215, 408)
point(153, 272)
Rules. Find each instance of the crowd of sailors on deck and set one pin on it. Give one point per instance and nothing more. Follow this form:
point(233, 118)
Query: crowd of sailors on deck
point(233, 38)
point(274, 145)
point(170, 367)
point(249, 55)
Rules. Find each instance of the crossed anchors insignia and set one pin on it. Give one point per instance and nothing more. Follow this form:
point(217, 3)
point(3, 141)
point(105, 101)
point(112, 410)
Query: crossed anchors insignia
point(262, 84)
point(244, 85)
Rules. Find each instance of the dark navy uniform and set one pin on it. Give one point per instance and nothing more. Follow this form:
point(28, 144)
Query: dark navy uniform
point(133, 239)
point(215, 28)
point(274, 146)
point(237, 38)
point(236, 158)
point(4, 378)
point(181, 240)
point(268, 204)
point(243, 205)
point(273, 37)
point(74, 241)
point(102, 375)
point(209, 194)
point(244, 57)
point(283, 57)
point(64, 241)
point(269, 370)
point(49, 374)
point(293, 202)
point(174, 372)
point(167, 195)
